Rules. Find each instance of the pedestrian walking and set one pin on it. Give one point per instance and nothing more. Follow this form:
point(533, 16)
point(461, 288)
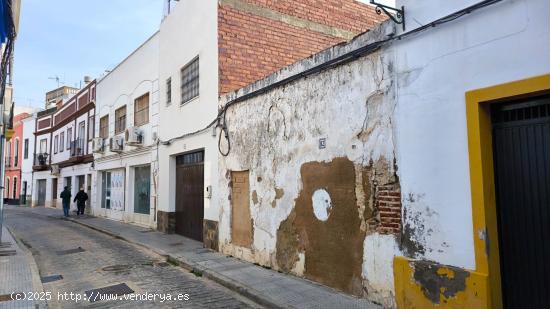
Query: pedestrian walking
point(80, 199)
point(66, 200)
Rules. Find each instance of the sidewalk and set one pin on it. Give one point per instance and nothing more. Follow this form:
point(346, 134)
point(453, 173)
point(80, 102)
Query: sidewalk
point(19, 274)
point(264, 286)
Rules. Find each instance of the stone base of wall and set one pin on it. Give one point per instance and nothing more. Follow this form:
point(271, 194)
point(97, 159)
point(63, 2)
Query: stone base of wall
point(166, 222)
point(210, 234)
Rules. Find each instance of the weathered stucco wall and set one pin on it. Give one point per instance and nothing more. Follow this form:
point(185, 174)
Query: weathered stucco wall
point(315, 211)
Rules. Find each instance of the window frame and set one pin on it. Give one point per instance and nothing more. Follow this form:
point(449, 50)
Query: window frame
point(91, 127)
point(136, 111)
point(69, 137)
point(106, 127)
point(118, 120)
point(169, 91)
point(26, 148)
point(55, 144)
point(16, 152)
point(61, 141)
point(189, 84)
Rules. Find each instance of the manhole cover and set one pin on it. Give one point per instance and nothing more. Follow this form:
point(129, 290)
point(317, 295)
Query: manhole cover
point(70, 251)
point(7, 252)
point(51, 278)
point(117, 268)
point(108, 292)
point(10, 297)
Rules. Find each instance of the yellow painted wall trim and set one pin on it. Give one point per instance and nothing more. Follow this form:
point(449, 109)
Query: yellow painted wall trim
point(425, 284)
point(9, 134)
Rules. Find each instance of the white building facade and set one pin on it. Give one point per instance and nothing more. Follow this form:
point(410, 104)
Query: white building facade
point(29, 124)
point(62, 149)
point(125, 148)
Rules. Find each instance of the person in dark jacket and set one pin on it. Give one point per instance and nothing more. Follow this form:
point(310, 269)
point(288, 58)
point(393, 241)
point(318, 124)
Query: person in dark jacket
point(80, 199)
point(66, 199)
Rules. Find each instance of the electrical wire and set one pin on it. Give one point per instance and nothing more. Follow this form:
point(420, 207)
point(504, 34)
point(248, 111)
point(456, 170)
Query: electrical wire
point(345, 58)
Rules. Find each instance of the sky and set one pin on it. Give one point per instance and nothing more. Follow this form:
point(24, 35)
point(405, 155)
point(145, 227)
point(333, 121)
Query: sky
point(73, 38)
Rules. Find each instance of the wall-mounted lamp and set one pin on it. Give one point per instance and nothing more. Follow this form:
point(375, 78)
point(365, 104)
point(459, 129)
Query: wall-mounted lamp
point(398, 17)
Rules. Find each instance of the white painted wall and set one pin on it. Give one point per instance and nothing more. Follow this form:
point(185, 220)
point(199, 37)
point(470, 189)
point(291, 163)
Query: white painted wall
point(29, 124)
point(505, 42)
point(177, 48)
point(133, 77)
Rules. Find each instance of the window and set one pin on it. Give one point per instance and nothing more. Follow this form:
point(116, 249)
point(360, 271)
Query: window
point(91, 127)
point(7, 188)
point(55, 143)
point(14, 188)
point(16, 151)
point(190, 81)
point(26, 150)
point(8, 154)
point(169, 91)
point(104, 126)
point(61, 141)
point(106, 190)
point(142, 188)
point(43, 145)
point(141, 110)
point(69, 137)
point(120, 119)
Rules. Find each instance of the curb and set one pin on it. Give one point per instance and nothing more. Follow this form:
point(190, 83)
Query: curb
point(194, 268)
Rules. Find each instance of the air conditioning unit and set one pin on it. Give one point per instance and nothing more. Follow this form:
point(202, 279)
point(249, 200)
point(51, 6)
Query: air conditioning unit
point(55, 169)
point(116, 144)
point(97, 144)
point(133, 136)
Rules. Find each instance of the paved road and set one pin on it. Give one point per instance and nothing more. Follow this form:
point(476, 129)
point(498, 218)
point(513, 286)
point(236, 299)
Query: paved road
point(108, 261)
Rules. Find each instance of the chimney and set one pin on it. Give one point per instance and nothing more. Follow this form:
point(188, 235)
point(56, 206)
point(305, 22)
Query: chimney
point(87, 79)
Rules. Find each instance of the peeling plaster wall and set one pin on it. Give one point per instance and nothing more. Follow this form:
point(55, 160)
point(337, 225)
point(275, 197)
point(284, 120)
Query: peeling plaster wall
point(276, 137)
point(504, 42)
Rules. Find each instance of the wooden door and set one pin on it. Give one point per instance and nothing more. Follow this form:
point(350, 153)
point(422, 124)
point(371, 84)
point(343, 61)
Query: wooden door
point(41, 192)
point(190, 195)
point(241, 223)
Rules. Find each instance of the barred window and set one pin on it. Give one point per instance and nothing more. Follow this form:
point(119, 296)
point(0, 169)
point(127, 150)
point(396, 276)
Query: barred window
point(120, 119)
point(169, 91)
point(190, 81)
point(104, 127)
point(141, 110)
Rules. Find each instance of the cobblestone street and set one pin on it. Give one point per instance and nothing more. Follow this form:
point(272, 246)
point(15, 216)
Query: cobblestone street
point(105, 261)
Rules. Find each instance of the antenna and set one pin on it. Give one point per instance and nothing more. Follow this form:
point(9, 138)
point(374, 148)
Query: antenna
point(56, 78)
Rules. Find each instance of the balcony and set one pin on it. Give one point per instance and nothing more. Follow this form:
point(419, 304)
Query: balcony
point(41, 161)
point(77, 148)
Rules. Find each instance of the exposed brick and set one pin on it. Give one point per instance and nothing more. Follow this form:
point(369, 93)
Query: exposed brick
point(252, 47)
point(388, 203)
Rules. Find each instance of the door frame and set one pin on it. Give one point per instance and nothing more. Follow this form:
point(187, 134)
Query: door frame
point(482, 181)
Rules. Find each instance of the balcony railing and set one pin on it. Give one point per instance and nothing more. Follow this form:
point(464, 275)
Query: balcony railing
point(41, 159)
point(77, 148)
point(8, 162)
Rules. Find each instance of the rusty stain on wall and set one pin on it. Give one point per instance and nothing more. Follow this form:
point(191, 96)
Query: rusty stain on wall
point(333, 248)
point(436, 279)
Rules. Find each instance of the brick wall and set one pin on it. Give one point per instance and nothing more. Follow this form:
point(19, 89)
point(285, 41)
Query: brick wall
point(259, 40)
point(388, 203)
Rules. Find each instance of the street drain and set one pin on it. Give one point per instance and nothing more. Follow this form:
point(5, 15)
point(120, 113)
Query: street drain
point(162, 264)
point(146, 231)
point(8, 252)
point(108, 292)
point(10, 297)
point(176, 244)
point(70, 251)
point(117, 268)
point(51, 278)
point(5, 244)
